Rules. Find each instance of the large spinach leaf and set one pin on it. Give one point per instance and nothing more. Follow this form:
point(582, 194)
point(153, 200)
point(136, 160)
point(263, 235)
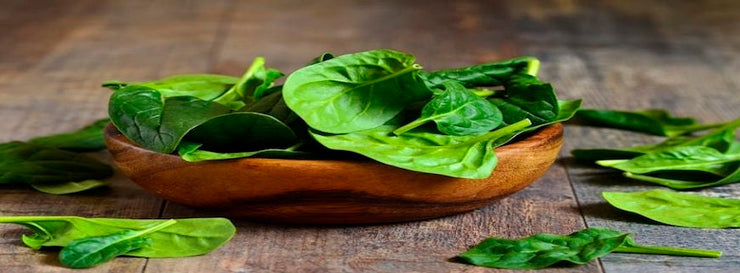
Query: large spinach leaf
point(679, 209)
point(543, 250)
point(488, 74)
point(202, 86)
point(422, 151)
point(566, 110)
point(91, 251)
point(680, 158)
point(33, 164)
point(354, 92)
point(88, 138)
point(458, 112)
point(187, 237)
point(652, 121)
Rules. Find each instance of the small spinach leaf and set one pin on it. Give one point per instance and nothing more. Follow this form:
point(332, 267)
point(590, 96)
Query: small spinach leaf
point(88, 138)
point(251, 87)
point(680, 158)
point(652, 121)
point(458, 112)
point(488, 74)
point(679, 209)
point(92, 251)
point(354, 92)
point(543, 250)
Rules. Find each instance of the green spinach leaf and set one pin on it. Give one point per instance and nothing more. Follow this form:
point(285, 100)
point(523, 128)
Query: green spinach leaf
point(679, 180)
point(191, 152)
point(354, 92)
point(22, 162)
point(680, 158)
point(251, 87)
point(458, 112)
point(679, 209)
point(88, 138)
point(528, 98)
point(92, 251)
point(202, 86)
point(720, 139)
point(159, 124)
point(69, 187)
point(652, 121)
point(488, 74)
point(187, 237)
point(543, 250)
point(428, 152)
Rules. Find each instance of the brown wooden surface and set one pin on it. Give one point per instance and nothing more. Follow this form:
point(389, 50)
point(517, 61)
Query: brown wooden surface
point(679, 55)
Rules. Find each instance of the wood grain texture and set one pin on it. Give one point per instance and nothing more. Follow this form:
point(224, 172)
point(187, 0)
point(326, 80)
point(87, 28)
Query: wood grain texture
point(678, 55)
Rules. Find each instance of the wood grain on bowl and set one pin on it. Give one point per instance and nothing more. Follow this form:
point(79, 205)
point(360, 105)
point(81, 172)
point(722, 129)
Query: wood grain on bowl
point(330, 191)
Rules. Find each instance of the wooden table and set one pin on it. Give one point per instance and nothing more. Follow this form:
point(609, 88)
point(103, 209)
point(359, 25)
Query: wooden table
point(681, 56)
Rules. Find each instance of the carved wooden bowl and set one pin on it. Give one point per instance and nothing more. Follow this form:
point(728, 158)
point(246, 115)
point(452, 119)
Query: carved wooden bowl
point(330, 191)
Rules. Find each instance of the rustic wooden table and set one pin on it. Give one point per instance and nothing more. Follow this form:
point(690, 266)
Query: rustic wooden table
point(682, 56)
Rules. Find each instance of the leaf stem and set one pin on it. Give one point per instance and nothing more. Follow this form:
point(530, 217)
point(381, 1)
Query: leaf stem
point(411, 125)
point(673, 251)
point(533, 66)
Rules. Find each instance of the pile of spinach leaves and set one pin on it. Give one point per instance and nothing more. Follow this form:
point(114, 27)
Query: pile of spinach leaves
point(379, 104)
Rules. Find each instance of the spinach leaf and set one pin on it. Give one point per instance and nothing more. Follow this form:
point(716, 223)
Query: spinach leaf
point(421, 151)
point(187, 237)
point(652, 121)
point(251, 87)
point(88, 138)
point(202, 86)
point(543, 250)
point(274, 105)
point(488, 74)
point(354, 92)
point(720, 139)
point(681, 158)
point(145, 117)
point(242, 131)
point(566, 110)
point(528, 98)
point(69, 187)
point(458, 112)
point(92, 251)
point(33, 164)
point(679, 209)
point(679, 180)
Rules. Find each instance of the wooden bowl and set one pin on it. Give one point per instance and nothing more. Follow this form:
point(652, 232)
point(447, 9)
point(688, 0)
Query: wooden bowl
point(330, 191)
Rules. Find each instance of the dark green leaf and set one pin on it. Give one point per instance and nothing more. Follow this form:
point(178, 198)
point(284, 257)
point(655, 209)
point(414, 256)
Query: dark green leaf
point(321, 58)
point(32, 164)
point(682, 182)
point(354, 92)
point(652, 121)
point(242, 131)
point(88, 138)
point(69, 187)
point(456, 156)
point(528, 98)
point(543, 250)
point(92, 251)
point(679, 209)
point(680, 158)
point(458, 112)
point(488, 74)
point(159, 124)
point(566, 110)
